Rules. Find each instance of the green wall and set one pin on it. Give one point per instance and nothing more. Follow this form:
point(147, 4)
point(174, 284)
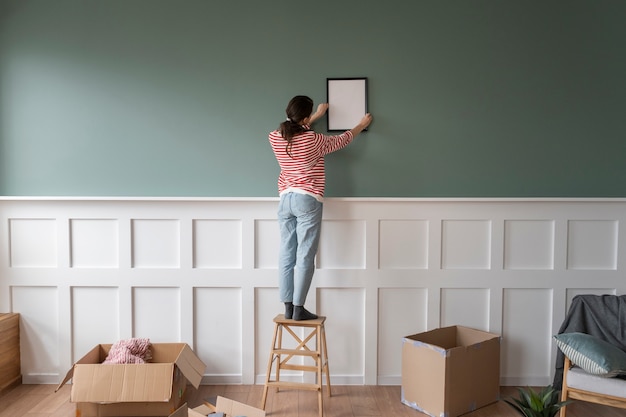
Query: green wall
point(175, 98)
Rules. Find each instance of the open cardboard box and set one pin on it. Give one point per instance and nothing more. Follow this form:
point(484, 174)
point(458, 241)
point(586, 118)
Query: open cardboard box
point(450, 371)
point(229, 407)
point(157, 388)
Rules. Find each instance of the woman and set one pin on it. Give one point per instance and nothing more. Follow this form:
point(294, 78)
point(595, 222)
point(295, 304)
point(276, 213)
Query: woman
point(300, 154)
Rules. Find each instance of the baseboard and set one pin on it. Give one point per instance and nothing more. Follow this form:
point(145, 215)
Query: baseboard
point(11, 384)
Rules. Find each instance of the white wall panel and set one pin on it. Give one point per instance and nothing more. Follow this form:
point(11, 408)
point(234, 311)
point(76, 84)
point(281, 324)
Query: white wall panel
point(527, 335)
point(84, 271)
point(217, 243)
point(156, 243)
point(529, 244)
point(345, 332)
point(95, 318)
point(39, 332)
point(403, 244)
point(342, 244)
point(156, 314)
point(267, 307)
point(592, 244)
point(465, 307)
point(33, 243)
point(267, 238)
point(466, 244)
point(94, 243)
point(403, 312)
point(217, 329)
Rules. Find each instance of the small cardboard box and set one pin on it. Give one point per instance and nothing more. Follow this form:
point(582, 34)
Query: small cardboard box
point(229, 407)
point(156, 388)
point(450, 371)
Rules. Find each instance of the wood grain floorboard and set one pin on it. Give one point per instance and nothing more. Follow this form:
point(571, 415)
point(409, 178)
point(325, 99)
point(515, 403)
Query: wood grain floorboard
point(346, 401)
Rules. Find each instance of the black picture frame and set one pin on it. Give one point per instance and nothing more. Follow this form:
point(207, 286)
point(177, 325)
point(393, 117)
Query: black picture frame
point(347, 100)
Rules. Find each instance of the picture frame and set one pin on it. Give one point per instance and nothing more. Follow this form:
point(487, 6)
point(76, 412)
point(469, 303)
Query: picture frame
point(347, 102)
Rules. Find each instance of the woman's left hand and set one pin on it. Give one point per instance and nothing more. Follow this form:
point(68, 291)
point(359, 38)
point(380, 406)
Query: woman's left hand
point(321, 109)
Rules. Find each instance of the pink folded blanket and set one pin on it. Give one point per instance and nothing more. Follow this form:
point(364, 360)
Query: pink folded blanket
point(135, 350)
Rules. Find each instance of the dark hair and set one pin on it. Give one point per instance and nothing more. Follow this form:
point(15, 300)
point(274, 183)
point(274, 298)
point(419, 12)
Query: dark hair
point(298, 109)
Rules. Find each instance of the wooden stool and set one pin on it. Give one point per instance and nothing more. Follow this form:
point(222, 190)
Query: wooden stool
point(319, 356)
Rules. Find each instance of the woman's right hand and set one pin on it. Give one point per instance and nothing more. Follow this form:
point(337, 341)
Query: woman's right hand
point(366, 120)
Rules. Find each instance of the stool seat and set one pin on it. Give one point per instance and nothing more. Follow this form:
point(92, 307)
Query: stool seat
point(282, 356)
point(301, 323)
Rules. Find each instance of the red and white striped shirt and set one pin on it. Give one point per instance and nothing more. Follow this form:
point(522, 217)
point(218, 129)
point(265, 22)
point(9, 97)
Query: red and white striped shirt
point(303, 170)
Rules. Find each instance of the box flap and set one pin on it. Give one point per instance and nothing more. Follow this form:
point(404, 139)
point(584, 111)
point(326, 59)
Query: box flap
point(183, 411)
point(93, 356)
point(122, 383)
point(467, 336)
point(191, 366)
point(233, 408)
point(419, 344)
point(200, 411)
point(443, 337)
point(68, 376)
point(166, 352)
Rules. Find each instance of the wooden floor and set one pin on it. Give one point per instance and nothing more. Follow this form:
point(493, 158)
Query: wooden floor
point(346, 401)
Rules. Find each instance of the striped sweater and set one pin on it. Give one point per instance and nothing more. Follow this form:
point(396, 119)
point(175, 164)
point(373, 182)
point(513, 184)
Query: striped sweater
point(303, 170)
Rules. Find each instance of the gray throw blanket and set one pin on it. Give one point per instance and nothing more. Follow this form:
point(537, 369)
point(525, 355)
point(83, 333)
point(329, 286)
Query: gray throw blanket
point(602, 316)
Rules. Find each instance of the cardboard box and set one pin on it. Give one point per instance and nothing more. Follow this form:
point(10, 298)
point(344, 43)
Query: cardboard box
point(450, 371)
point(157, 388)
point(229, 407)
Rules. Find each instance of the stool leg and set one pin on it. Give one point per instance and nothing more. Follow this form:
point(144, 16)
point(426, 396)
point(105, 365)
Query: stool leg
point(320, 404)
point(325, 359)
point(269, 367)
point(318, 343)
point(278, 358)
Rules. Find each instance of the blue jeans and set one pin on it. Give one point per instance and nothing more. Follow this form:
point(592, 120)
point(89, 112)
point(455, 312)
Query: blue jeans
point(300, 222)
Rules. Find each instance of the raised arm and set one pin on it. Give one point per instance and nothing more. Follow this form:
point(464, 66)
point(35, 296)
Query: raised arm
point(321, 110)
point(365, 122)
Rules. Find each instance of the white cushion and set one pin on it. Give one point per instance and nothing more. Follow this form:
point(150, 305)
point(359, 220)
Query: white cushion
point(577, 378)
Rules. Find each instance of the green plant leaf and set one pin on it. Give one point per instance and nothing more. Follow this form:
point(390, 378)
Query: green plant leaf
point(531, 403)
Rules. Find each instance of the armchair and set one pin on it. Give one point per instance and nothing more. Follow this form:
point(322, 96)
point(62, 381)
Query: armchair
point(603, 316)
point(580, 385)
point(591, 359)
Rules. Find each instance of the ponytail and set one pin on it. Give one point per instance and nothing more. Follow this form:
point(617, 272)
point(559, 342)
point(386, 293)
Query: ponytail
point(298, 109)
point(289, 129)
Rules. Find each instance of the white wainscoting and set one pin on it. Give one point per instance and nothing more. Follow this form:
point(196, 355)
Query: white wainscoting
point(83, 271)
